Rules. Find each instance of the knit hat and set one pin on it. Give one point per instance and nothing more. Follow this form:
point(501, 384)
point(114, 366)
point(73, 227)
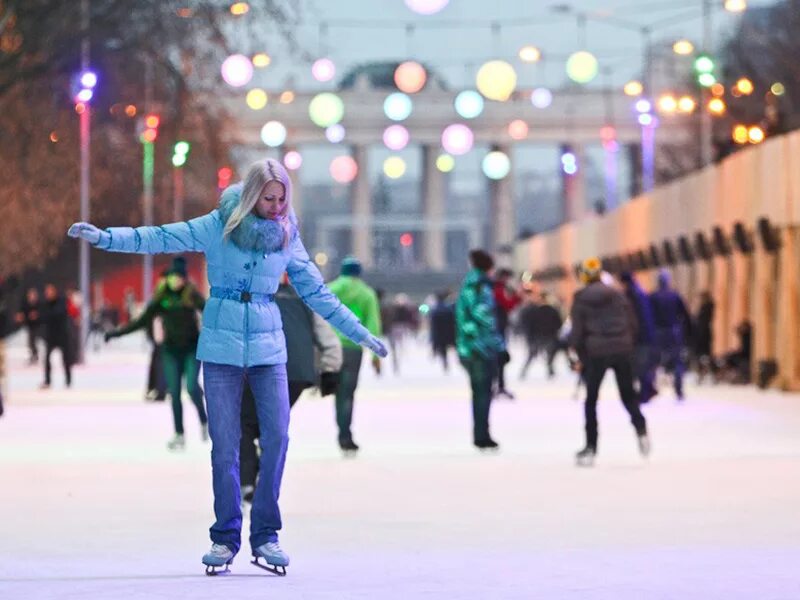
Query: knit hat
point(591, 269)
point(351, 267)
point(178, 267)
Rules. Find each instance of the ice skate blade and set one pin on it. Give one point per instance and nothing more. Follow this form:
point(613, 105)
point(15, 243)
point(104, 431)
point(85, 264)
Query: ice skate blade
point(274, 569)
point(349, 454)
point(211, 570)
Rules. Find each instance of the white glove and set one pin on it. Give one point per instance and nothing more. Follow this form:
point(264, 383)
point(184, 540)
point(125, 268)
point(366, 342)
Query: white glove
point(88, 232)
point(374, 344)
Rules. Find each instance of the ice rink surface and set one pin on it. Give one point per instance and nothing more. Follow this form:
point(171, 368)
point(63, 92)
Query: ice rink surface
point(92, 505)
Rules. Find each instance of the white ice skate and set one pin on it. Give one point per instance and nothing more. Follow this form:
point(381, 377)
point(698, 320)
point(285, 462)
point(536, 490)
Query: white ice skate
point(204, 432)
point(219, 556)
point(644, 445)
point(277, 560)
point(585, 458)
point(177, 443)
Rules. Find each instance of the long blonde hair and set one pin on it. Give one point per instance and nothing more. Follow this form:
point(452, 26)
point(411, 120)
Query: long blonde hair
point(258, 175)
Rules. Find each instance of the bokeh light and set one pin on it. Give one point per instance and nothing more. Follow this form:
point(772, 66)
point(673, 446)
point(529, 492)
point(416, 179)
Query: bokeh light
point(469, 104)
point(735, 6)
point(717, 89)
point(397, 106)
point(518, 129)
point(582, 67)
point(457, 139)
point(740, 135)
point(633, 88)
point(321, 259)
point(530, 54)
point(323, 69)
point(395, 137)
point(394, 167)
point(426, 7)
point(261, 60)
point(237, 70)
point(645, 119)
point(686, 104)
point(496, 80)
point(683, 47)
point(343, 169)
point(273, 134)
point(643, 105)
point(410, 77)
point(755, 134)
point(445, 163)
point(777, 88)
point(88, 79)
point(287, 97)
point(745, 86)
point(293, 160)
point(496, 165)
point(84, 95)
point(541, 97)
point(326, 109)
point(239, 8)
point(130, 110)
point(716, 106)
point(256, 99)
point(667, 104)
point(335, 133)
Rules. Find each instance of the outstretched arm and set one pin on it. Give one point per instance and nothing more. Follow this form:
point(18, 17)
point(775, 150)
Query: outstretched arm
point(194, 235)
point(307, 280)
point(138, 323)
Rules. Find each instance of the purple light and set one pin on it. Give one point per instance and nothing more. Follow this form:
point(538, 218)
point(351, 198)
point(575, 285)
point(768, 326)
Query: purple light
point(88, 79)
point(395, 137)
point(457, 139)
point(84, 95)
point(643, 106)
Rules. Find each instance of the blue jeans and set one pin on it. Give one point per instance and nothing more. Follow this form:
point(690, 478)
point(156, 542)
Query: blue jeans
point(223, 386)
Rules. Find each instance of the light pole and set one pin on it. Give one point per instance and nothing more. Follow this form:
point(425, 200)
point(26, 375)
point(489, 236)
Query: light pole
point(179, 154)
point(87, 82)
point(148, 138)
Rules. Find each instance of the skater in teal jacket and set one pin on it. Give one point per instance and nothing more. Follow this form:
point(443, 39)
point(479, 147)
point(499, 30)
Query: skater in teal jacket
point(249, 241)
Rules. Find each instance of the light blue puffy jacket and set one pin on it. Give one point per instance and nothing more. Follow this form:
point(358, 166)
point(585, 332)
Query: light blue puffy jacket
point(253, 260)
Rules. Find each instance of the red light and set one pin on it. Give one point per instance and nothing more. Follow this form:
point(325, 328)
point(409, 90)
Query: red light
point(152, 121)
point(406, 240)
point(149, 135)
point(225, 173)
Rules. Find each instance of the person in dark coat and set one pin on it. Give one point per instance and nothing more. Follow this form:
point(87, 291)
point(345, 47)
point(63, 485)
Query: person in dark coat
point(702, 334)
point(603, 334)
point(506, 299)
point(645, 359)
point(56, 332)
point(30, 315)
point(443, 327)
point(672, 323)
point(176, 302)
point(540, 323)
point(314, 358)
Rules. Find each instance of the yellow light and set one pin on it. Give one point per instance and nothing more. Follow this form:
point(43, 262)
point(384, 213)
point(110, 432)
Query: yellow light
point(261, 60)
point(740, 134)
point(530, 54)
point(496, 80)
point(686, 104)
point(287, 97)
point(755, 134)
point(394, 167)
point(777, 88)
point(582, 66)
point(716, 106)
point(745, 86)
point(717, 89)
point(683, 47)
point(445, 163)
point(256, 99)
point(735, 6)
point(667, 104)
point(321, 259)
point(239, 8)
point(633, 88)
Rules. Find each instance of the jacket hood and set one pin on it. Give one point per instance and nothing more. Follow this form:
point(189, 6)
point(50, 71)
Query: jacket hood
point(253, 233)
point(598, 294)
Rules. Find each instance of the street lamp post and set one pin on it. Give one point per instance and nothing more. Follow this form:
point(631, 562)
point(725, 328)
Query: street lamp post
point(706, 126)
point(87, 82)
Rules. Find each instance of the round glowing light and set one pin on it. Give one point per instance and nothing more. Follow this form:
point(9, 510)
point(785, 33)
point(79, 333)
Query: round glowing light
point(237, 70)
point(225, 173)
point(445, 163)
point(406, 240)
point(256, 99)
point(395, 137)
point(152, 121)
point(633, 88)
point(755, 134)
point(394, 167)
point(735, 6)
point(530, 54)
point(706, 79)
point(343, 169)
point(541, 97)
point(182, 148)
point(88, 79)
point(745, 86)
point(326, 109)
point(496, 80)
point(293, 160)
point(53, 137)
point(645, 119)
point(397, 106)
point(239, 8)
point(84, 95)
point(261, 60)
point(426, 7)
point(582, 67)
point(130, 110)
point(287, 97)
point(410, 77)
point(686, 104)
point(518, 129)
point(716, 106)
point(683, 47)
point(717, 89)
point(178, 160)
point(323, 69)
point(149, 135)
point(777, 89)
point(273, 134)
point(643, 106)
point(667, 104)
point(496, 165)
point(740, 134)
point(469, 104)
point(569, 163)
point(457, 139)
point(321, 259)
point(335, 133)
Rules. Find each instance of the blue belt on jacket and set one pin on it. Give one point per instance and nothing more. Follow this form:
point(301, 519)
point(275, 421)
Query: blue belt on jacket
point(241, 295)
